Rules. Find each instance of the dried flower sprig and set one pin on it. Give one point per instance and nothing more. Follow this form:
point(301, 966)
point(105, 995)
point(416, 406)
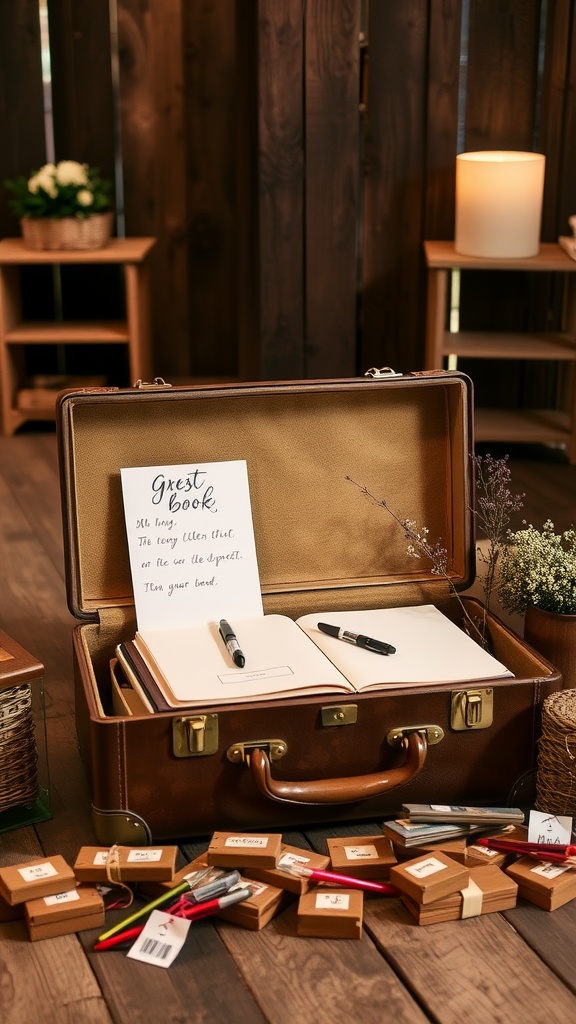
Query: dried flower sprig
point(495, 504)
point(420, 546)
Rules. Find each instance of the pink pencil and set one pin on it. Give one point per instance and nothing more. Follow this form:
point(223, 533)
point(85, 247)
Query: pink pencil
point(346, 880)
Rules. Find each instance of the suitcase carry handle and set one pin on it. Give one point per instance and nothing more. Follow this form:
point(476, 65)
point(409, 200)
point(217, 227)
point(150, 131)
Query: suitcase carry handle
point(338, 791)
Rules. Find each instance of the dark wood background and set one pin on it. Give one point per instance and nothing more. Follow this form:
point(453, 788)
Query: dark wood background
point(290, 157)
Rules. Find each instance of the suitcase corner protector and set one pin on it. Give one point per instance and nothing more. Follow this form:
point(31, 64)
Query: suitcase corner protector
point(121, 827)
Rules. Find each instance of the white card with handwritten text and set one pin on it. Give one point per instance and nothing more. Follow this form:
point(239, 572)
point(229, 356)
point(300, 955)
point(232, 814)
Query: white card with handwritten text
point(549, 829)
point(191, 544)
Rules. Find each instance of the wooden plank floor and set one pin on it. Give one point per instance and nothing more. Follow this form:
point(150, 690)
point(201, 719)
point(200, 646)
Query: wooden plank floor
point(511, 968)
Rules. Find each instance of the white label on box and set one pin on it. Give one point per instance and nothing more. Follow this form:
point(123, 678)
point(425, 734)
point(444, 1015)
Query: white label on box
point(62, 897)
point(144, 856)
point(332, 901)
point(100, 858)
point(550, 869)
point(425, 867)
point(361, 852)
point(484, 849)
point(288, 859)
point(36, 872)
point(247, 842)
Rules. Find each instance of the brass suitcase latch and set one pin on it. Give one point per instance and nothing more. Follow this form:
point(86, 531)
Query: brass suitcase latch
point(343, 714)
point(472, 709)
point(195, 735)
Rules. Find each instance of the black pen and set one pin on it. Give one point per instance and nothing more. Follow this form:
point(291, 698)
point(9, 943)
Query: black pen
point(231, 640)
point(366, 642)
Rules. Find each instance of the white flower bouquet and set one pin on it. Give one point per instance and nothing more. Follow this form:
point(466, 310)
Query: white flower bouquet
point(65, 189)
point(538, 568)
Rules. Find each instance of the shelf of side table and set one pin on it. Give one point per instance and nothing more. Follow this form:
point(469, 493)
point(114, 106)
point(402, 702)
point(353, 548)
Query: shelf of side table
point(546, 426)
point(16, 333)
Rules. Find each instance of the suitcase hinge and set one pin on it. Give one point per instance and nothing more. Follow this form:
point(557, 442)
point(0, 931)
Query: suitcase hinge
point(241, 751)
point(378, 373)
point(158, 382)
point(195, 735)
point(472, 709)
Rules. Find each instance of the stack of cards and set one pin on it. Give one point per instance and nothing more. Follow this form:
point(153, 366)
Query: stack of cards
point(453, 814)
point(46, 893)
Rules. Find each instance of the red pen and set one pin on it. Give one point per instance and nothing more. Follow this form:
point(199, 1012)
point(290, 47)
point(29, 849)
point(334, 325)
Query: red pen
point(540, 851)
point(384, 888)
point(191, 913)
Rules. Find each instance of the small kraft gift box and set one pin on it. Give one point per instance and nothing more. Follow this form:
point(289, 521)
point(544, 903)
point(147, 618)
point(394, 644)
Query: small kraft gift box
point(24, 779)
point(238, 850)
point(35, 878)
point(489, 889)
point(362, 856)
point(428, 878)
point(331, 913)
point(476, 855)
point(64, 913)
point(546, 883)
point(125, 864)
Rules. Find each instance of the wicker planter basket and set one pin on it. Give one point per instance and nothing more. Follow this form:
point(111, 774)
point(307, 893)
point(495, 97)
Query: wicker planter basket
point(67, 232)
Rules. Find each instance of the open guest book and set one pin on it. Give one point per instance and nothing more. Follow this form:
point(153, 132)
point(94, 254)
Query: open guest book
point(193, 562)
point(286, 658)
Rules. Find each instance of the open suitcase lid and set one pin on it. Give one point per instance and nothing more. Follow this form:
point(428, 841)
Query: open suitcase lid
point(320, 541)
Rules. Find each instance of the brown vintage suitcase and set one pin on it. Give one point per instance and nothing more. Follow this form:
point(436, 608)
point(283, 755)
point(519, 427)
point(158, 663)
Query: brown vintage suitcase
point(321, 545)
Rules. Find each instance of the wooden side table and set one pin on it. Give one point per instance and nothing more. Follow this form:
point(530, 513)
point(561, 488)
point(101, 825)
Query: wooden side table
point(15, 334)
point(541, 426)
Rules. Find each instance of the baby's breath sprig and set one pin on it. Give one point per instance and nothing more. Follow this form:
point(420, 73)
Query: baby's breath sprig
point(539, 568)
point(419, 545)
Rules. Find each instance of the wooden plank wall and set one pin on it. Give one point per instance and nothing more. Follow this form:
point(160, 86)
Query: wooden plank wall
point(289, 218)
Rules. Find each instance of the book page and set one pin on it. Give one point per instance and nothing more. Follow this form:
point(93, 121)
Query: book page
point(429, 647)
point(280, 660)
point(191, 543)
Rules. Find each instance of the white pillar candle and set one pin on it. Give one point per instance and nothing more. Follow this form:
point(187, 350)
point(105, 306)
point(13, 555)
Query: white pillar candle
point(499, 203)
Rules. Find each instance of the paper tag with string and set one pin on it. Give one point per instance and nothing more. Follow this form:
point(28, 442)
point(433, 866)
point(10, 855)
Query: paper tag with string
point(161, 940)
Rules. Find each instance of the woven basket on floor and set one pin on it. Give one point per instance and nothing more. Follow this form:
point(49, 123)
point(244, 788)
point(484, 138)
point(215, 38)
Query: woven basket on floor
point(556, 780)
point(67, 232)
point(18, 754)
